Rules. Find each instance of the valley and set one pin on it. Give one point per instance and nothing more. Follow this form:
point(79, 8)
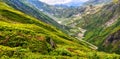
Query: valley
point(31, 29)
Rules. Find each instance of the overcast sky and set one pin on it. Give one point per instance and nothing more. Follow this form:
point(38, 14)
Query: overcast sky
point(53, 2)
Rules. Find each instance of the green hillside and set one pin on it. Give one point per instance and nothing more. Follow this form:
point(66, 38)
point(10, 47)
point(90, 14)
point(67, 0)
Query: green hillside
point(103, 28)
point(95, 2)
point(27, 8)
point(25, 37)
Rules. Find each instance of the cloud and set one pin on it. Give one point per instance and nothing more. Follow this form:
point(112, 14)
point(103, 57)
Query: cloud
point(53, 2)
point(81, 0)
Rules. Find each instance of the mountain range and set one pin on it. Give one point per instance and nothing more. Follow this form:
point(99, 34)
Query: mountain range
point(27, 32)
point(94, 2)
point(102, 27)
point(61, 10)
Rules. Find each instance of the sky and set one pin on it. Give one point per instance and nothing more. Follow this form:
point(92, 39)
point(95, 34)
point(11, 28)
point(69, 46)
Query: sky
point(54, 2)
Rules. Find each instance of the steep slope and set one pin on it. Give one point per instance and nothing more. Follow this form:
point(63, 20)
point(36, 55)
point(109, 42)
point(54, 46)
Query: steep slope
point(103, 28)
point(25, 37)
point(25, 7)
point(22, 35)
point(64, 10)
point(57, 11)
point(75, 23)
point(95, 2)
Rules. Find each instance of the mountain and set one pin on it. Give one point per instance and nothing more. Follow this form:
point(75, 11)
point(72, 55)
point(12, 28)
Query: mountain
point(60, 11)
point(94, 2)
point(102, 27)
point(75, 3)
point(65, 10)
point(32, 11)
point(107, 30)
point(23, 36)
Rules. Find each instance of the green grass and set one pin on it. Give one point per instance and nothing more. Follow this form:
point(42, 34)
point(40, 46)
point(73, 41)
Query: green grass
point(25, 37)
point(97, 33)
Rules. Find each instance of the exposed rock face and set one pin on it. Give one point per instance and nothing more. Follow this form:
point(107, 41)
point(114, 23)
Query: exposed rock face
point(113, 40)
point(111, 21)
point(113, 37)
point(51, 42)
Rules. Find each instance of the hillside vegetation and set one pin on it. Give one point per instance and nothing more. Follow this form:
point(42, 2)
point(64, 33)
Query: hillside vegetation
point(25, 37)
point(107, 26)
point(103, 28)
point(27, 8)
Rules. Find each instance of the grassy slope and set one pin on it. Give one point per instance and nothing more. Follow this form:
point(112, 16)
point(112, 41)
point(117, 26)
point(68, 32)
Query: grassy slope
point(27, 8)
point(97, 31)
point(22, 36)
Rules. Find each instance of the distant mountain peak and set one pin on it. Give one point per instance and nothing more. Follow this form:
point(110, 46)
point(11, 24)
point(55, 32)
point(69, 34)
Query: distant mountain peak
point(65, 2)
